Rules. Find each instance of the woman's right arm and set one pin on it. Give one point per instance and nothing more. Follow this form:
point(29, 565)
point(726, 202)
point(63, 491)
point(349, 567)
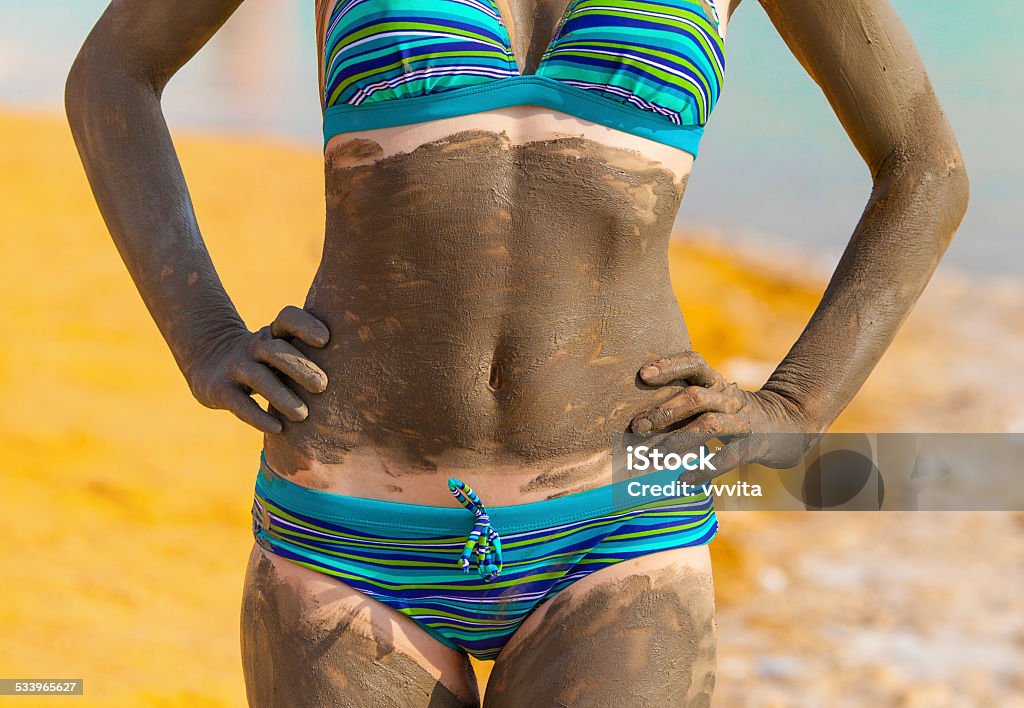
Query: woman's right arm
point(113, 105)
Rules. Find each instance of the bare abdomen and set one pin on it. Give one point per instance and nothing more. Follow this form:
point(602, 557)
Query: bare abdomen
point(490, 303)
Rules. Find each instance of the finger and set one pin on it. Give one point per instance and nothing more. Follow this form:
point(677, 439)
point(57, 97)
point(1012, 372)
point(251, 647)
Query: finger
point(716, 424)
point(248, 411)
point(296, 322)
point(736, 453)
point(263, 381)
point(292, 363)
point(689, 366)
point(683, 443)
point(686, 404)
point(703, 428)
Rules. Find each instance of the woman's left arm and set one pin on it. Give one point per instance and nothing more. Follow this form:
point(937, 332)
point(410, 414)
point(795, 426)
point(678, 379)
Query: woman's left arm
point(863, 58)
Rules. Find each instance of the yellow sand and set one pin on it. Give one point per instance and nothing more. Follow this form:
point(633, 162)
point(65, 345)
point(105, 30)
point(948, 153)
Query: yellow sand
point(125, 505)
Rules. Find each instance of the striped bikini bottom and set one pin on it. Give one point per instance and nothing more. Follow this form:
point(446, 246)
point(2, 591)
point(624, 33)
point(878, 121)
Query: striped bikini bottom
point(418, 559)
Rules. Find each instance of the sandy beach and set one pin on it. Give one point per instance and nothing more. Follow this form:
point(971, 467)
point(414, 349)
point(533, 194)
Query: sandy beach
point(127, 525)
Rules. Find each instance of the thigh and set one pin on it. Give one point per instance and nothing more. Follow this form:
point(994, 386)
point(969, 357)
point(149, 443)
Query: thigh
point(638, 633)
point(310, 640)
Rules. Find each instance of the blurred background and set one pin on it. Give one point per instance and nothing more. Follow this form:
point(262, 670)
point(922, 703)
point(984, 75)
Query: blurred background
point(126, 519)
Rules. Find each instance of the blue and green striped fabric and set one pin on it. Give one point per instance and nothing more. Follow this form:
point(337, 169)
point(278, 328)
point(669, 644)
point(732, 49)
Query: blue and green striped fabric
point(653, 68)
point(412, 558)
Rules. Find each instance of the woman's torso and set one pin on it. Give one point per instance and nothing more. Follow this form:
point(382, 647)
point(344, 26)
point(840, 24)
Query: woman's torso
point(492, 284)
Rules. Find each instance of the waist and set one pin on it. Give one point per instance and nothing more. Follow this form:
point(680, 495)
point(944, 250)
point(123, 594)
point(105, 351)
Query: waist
point(482, 384)
point(396, 421)
point(374, 473)
point(433, 513)
point(487, 315)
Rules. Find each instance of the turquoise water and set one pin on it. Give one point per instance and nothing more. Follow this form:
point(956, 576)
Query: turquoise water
point(775, 165)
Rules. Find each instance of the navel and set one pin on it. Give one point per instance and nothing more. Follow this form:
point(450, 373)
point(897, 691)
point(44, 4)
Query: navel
point(495, 377)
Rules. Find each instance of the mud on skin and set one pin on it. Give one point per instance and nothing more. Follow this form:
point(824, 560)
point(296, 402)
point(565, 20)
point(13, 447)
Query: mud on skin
point(501, 318)
point(531, 24)
point(642, 640)
point(291, 658)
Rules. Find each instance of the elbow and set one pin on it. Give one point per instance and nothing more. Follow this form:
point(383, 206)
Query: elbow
point(83, 86)
point(934, 181)
point(94, 95)
point(949, 186)
point(959, 191)
point(74, 88)
point(99, 79)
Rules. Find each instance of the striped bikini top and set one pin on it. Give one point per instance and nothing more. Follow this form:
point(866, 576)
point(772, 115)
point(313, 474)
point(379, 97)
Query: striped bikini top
point(652, 68)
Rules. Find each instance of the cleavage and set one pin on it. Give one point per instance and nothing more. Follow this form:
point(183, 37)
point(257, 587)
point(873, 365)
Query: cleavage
point(531, 26)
